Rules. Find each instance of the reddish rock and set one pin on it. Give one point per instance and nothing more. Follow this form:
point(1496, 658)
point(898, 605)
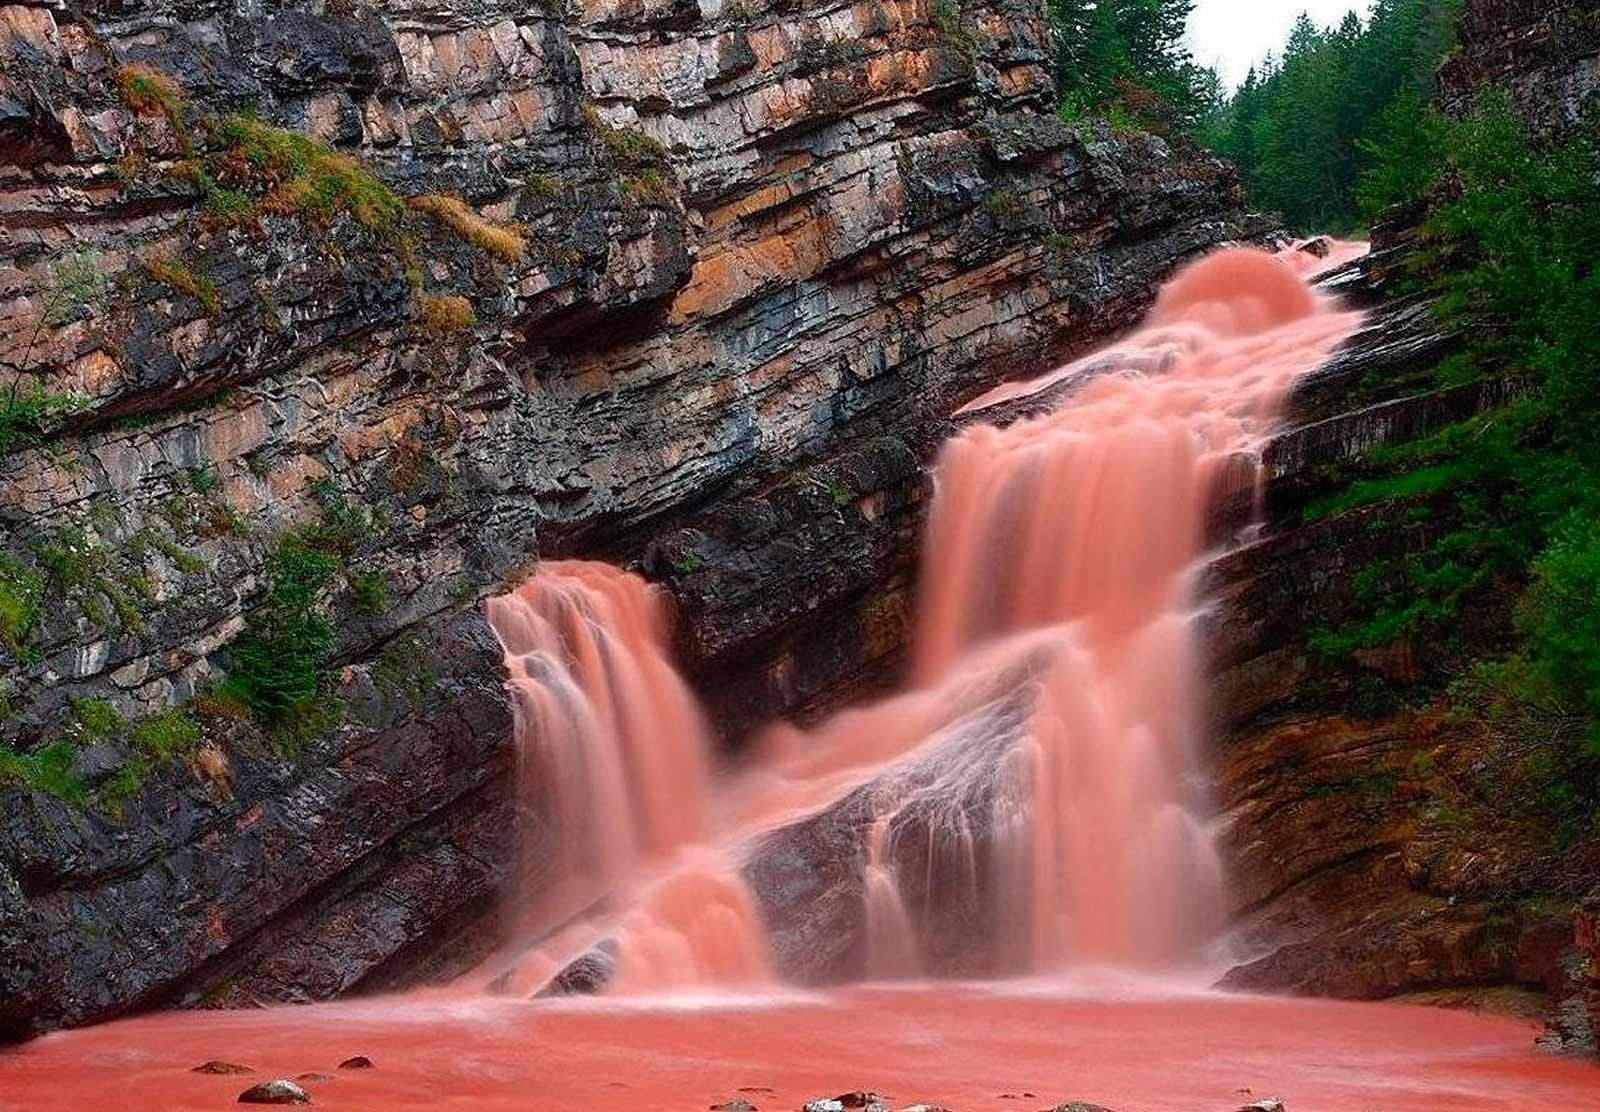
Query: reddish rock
point(359, 1062)
point(220, 1067)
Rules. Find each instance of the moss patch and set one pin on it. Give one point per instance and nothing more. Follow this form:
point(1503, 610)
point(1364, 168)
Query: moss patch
point(21, 596)
point(181, 276)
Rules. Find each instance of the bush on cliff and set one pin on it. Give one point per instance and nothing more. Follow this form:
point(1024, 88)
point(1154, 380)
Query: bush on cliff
point(278, 659)
point(1509, 248)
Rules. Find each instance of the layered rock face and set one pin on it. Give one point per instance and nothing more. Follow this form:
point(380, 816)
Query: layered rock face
point(1544, 53)
point(688, 284)
point(1380, 850)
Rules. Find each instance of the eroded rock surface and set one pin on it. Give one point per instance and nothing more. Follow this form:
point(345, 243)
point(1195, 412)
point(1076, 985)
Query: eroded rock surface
point(760, 245)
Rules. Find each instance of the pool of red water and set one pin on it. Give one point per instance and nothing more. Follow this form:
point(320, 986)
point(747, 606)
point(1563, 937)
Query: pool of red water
point(969, 1049)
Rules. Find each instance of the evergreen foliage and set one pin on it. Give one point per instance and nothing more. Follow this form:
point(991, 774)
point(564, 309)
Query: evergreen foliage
point(1509, 248)
point(1126, 59)
point(1305, 127)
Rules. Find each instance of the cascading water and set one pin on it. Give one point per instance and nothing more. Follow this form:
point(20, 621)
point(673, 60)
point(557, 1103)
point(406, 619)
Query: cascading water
point(615, 787)
point(1028, 804)
point(1033, 798)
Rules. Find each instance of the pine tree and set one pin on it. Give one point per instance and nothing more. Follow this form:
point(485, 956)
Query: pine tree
point(1303, 130)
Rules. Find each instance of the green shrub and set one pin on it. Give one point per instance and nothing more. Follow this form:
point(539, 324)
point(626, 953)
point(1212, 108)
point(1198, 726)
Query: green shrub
point(279, 658)
point(172, 733)
point(24, 411)
point(21, 597)
point(1561, 612)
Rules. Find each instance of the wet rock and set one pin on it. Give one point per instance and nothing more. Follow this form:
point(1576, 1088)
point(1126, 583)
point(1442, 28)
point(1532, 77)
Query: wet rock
point(823, 1104)
point(736, 1105)
point(221, 1067)
point(584, 975)
point(359, 1062)
point(1317, 247)
point(1079, 1106)
point(1545, 55)
point(669, 269)
point(1265, 1104)
point(809, 877)
point(318, 1077)
point(866, 1101)
point(279, 1091)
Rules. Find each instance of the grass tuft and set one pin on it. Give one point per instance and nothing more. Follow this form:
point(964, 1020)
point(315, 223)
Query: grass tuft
point(504, 241)
point(147, 89)
point(253, 166)
point(443, 314)
point(175, 272)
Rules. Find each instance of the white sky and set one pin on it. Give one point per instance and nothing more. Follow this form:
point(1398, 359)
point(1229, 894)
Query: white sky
point(1235, 34)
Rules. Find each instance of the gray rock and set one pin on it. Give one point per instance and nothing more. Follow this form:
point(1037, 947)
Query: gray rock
point(584, 975)
point(278, 1091)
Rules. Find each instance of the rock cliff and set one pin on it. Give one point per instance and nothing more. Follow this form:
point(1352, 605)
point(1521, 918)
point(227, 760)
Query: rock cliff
point(1389, 835)
point(1544, 53)
point(343, 314)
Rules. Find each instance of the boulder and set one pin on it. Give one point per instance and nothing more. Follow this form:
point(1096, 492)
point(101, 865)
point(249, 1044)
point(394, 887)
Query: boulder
point(584, 975)
point(278, 1091)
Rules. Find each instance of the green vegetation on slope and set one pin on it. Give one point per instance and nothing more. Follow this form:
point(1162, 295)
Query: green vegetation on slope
point(1509, 248)
point(1125, 59)
point(1304, 128)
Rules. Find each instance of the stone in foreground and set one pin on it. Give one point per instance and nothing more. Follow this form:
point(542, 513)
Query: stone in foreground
point(278, 1091)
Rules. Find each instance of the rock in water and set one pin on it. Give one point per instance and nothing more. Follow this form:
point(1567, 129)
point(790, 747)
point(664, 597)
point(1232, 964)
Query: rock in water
point(1079, 1106)
point(585, 975)
point(279, 1091)
point(823, 1105)
point(1318, 247)
point(215, 1066)
point(1266, 1104)
point(313, 1076)
point(738, 1105)
point(359, 1062)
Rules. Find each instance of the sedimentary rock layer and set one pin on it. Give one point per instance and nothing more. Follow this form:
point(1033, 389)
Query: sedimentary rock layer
point(676, 270)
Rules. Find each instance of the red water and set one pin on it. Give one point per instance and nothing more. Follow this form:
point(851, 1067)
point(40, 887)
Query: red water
point(1047, 750)
point(971, 1050)
point(616, 792)
point(1055, 576)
